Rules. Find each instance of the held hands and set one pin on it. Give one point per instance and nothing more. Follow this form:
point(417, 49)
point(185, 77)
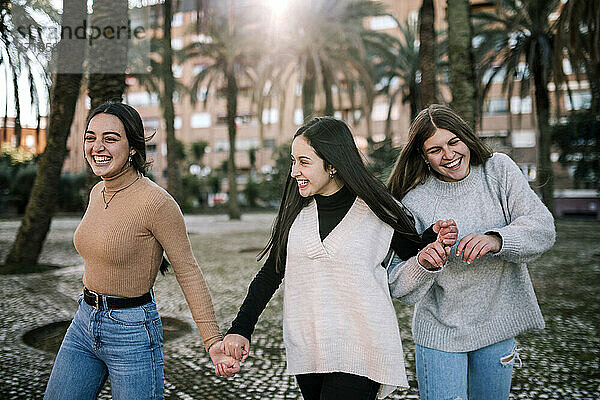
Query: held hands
point(435, 254)
point(447, 232)
point(236, 346)
point(225, 365)
point(476, 245)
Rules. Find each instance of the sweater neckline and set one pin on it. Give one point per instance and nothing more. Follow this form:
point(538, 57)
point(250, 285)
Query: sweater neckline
point(328, 246)
point(121, 180)
point(337, 200)
point(458, 188)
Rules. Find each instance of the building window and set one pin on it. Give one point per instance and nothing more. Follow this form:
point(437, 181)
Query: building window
point(202, 93)
point(413, 18)
point(298, 116)
point(177, 122)
point(382, 22)
point(240, 119)
point(142, 99)
point(520, 105)
point(270, 116)
point(529, 170)
point(200, 120)
point(523, 138)
point(499, 77)
point(150, 123)
point(580, 100)
point(177, 70)
point(151, 148)
point(246, 144)
point(269, 143)
point(29, 141)
point(495, 105)
point(380, 111)
point(177, 19)
point(177, 44)
point(221, 146)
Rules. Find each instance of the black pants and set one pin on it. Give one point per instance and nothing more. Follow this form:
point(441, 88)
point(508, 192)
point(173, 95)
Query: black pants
point(337, 385)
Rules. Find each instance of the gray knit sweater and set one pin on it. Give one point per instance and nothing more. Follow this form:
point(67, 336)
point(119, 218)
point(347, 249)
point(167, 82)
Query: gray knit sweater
point(465, 307)
point(338, 315)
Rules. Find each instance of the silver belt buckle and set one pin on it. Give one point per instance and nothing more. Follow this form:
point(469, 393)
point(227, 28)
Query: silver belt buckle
point(97, 305)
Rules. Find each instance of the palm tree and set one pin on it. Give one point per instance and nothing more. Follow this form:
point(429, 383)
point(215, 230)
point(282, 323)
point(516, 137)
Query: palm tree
point(326, 44)
point(522, 32)
point(231, 52)
point(579, 35)
point(461, 62)
point(65, 91)
point(22, 49)
point(107, 61)
point(160, 82)
point(399, 62)
point(427, 53)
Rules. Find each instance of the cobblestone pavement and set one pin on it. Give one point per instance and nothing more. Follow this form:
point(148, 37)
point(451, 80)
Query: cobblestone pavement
point(559, 363)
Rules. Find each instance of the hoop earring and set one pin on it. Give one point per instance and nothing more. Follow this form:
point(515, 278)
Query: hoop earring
point(130, 159)
point(331, 175)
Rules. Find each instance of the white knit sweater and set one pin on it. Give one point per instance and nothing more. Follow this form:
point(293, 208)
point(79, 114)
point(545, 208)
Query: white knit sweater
point(338, 314)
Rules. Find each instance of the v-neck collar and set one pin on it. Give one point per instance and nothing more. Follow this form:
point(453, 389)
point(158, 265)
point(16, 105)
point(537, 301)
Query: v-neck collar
point(316, 248)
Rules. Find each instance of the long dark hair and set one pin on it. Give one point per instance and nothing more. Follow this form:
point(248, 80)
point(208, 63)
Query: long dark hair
point(410, 168)
point(333, 142)
point(134, 130)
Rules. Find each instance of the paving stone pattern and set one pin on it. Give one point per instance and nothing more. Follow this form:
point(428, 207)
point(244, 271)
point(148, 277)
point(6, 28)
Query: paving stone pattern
point(558, 363)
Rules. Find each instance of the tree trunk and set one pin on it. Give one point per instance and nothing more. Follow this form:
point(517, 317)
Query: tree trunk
point(107, 62)
point(461, 60)
point(329, 109)
point(427, 53)
point(17, 130)
point(63, 98)
point(309, 88)
point(545, 175)
point(173, 175)
point(232, 89)
point(415, 99)
point(388, 119)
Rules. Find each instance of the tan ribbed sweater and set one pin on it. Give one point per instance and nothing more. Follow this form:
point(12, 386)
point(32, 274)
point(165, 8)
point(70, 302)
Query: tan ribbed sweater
point(122, 245)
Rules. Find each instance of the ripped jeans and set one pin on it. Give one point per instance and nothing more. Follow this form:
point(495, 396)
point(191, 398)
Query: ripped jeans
point(482, 374)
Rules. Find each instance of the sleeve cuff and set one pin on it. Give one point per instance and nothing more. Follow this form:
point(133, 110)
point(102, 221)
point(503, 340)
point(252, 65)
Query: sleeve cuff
point(433, 270)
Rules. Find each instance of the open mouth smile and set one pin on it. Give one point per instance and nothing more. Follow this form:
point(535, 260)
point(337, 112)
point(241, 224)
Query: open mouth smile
point(302, 183)
point(453, 165)
point(101, 160)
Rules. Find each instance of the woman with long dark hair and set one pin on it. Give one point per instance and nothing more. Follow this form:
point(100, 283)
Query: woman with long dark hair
point(129, 222)
point(468, 313)
point(334, 228)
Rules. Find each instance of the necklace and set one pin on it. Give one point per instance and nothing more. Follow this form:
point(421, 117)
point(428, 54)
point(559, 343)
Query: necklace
point(113, 195)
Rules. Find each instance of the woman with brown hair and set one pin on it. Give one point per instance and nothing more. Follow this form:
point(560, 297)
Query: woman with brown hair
point(468, 312)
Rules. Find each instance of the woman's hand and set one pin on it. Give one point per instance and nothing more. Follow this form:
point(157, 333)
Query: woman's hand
point(476, 245)
point(236, 346)
point(225, 365)
point(433, 256)
point(447, 232)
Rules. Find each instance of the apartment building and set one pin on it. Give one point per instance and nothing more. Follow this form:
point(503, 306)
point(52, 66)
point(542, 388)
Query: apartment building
point(194, 122)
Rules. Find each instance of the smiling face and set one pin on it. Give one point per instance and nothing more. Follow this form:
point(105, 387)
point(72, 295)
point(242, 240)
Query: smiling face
point(309, 172)
point(106, 145)
point(448, 156)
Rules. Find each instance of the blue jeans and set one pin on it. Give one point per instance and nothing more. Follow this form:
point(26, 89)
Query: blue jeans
point(123, 344)
point(482, 374)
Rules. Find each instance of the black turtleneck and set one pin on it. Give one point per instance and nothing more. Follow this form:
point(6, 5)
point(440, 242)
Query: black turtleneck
point(331, 209)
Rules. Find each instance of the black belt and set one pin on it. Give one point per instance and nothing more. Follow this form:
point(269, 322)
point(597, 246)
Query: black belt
point(96, 300)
